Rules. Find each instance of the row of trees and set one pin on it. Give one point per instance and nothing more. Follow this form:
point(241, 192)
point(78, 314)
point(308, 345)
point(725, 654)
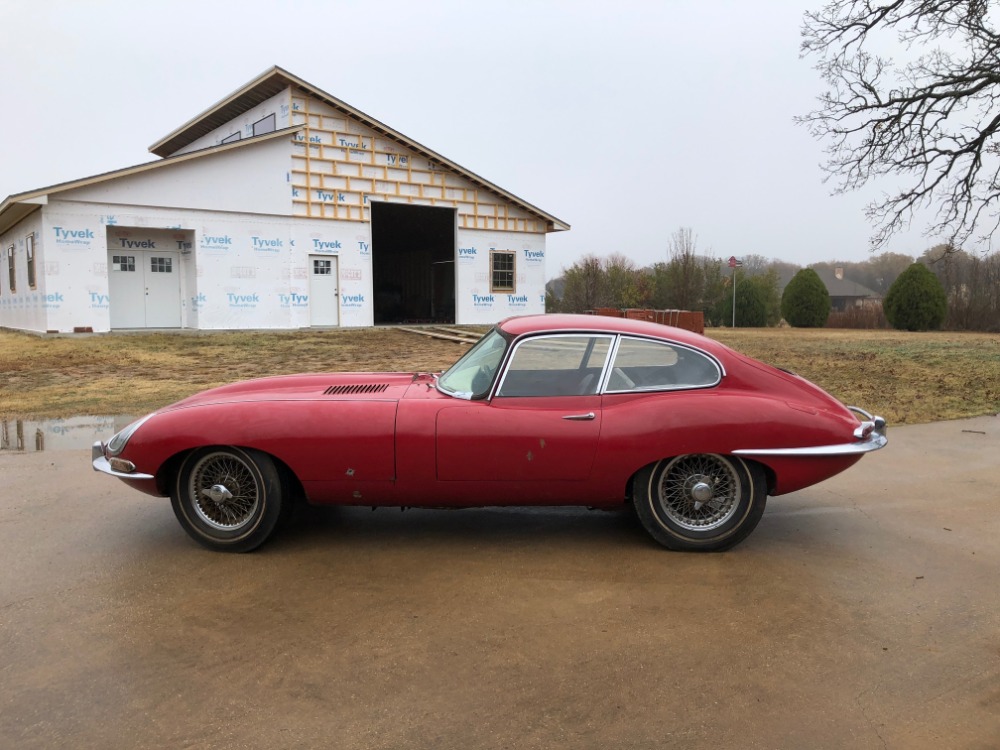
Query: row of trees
point(928, 117)
point(689, 280)
point(686, 281)
point(972, 285)
point(916, 301)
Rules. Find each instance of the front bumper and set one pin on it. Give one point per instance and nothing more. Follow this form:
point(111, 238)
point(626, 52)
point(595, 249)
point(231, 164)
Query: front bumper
point(871, 437)
point(103, 465)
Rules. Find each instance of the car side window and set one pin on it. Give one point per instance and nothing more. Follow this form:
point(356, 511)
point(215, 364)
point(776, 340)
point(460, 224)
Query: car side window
point(653, 365)
point(561, 365)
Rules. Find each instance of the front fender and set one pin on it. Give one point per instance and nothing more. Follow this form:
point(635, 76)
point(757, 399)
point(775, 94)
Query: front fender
point(317, 440)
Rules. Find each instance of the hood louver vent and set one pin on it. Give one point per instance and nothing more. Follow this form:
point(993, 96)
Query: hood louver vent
point(340, 390)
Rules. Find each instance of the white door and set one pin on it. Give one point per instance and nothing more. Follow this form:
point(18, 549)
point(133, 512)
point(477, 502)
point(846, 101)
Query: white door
point(163, 290)
point(144, 289)
point(127, 290)
point(324, 304)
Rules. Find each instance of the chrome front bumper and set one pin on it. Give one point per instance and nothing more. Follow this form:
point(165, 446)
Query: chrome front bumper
point(870, 437)
point(103, 465)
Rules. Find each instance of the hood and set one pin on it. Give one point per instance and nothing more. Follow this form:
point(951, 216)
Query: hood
point(340, 386)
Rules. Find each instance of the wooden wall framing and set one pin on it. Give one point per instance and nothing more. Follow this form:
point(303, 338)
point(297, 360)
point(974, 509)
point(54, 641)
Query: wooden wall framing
point(339, 165)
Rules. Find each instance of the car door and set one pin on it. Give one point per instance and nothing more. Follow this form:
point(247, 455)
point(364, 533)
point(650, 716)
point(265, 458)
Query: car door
point(542, 421)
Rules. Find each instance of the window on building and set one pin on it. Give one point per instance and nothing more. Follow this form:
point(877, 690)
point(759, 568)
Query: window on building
point(232, 138)
point(264, 125)
point(10, 269)
point(123, 263)
point(161, 265)
point(501, 271)
point(29, 245)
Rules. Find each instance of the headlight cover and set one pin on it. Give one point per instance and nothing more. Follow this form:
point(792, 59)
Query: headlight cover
point(117, 443)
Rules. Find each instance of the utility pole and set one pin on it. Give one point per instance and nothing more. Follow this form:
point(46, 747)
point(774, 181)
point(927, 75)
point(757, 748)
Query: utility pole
point(734, 263)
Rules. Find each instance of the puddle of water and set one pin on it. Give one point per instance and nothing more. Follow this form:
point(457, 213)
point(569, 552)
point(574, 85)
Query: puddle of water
point(71, 433)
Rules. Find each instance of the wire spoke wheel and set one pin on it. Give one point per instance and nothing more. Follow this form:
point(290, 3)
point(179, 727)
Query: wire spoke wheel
point(699, 492)
point(224, 491)
point(228, 498)
point(700, 501)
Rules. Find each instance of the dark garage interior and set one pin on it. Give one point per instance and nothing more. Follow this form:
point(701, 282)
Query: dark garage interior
point(413, 263)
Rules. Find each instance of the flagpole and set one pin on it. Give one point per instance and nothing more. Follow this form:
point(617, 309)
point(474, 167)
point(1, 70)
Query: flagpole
point(733, 263)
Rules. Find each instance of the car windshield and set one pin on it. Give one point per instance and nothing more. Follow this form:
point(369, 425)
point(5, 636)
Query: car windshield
point(472, 375)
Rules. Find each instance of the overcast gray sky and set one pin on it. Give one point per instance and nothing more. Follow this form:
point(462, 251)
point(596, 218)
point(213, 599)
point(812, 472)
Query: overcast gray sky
point(628, 120)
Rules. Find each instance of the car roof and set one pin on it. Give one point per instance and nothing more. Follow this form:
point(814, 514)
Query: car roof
point(552, 323)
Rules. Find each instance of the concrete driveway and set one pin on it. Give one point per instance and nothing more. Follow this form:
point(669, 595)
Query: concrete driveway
point(862, 613)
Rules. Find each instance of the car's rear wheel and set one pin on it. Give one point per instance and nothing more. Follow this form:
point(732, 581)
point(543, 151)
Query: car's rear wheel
point(700, 501)
point(228, 498)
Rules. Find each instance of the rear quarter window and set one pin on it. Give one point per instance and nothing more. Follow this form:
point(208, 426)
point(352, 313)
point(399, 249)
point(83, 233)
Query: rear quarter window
point(642, 365)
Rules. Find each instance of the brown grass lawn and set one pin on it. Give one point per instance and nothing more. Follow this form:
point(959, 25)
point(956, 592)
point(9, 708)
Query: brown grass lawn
point(906, 377)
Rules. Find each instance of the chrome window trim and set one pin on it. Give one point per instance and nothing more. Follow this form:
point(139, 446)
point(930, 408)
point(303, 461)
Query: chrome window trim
point(720, 369)
point(512, 349)
point(606, 375)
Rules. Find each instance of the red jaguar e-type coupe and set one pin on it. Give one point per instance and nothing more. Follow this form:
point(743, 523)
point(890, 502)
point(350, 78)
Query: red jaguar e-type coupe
point(543, 410)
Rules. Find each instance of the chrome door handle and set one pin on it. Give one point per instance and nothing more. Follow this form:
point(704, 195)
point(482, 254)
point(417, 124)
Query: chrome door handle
point(581, 417)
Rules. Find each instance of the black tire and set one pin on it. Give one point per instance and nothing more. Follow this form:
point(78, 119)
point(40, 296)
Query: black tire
point(701, 501)
point(228, 499)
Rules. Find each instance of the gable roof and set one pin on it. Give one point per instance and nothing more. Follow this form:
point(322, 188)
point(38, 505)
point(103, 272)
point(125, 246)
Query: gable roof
point(843, 287)
point(273, 81)
point(18, 206)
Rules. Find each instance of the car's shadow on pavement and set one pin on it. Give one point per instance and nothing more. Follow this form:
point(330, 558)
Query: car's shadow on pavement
point(483, 527)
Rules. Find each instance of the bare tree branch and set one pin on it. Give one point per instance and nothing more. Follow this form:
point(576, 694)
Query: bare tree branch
point(932, 123)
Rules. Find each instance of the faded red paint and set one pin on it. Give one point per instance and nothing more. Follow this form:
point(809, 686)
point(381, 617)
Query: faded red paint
point(409, 444)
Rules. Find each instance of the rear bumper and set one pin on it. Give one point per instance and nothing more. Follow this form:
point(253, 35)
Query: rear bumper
point(870, 437)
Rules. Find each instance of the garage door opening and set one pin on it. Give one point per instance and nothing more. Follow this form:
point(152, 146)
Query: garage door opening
point(413, 263)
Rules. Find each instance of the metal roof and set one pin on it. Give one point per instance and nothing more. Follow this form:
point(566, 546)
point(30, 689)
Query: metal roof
point(273, 81)
point(16, 207)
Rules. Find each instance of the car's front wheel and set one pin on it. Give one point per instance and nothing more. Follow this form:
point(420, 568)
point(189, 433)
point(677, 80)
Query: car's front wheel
point(700, 501)
point(227, 498)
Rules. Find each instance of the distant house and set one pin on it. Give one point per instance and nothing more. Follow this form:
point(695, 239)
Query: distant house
point(844, 293)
